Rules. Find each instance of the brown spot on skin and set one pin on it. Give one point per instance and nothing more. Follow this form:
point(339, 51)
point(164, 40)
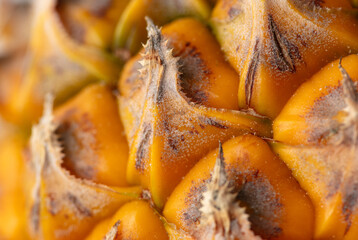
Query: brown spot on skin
point(334, 182)
point(349, 205)
point(284, 52)
point(250, 78)
point(143, 147)
point(233, 12)
point(35, 216)
point(316, 3)
point(303, 42)
point(255, 193)
point(51, 204)
point(212, 122)
point(320, 119)
point(173, 143)
point(166, 126)
point(194, 73)
point(319, 2)
point(262, 205)
point(83, 210)
point(80, 144)
point(182, 138)
point(192, 214)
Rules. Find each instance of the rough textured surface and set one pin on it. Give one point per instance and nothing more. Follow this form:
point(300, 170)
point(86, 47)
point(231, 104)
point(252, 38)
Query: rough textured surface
point(59, 197)
point(167, 131)
point(221, 216)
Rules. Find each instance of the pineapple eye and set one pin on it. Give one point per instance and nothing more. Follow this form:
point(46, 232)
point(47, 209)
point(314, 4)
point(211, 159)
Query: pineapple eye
point(92, 136)
point(60, 200)
point(273, 53)
point(205, 77)
point(139, 94)
point(238, 187)
point(160, 122)
point(317, 132)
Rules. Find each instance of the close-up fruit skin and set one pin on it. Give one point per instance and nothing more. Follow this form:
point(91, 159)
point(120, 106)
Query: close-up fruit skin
point(318, 136)
point(171, 122)
point(135, 220)
point(95, 146)
point(178, 119)
point(264, 187)
point(274, 54)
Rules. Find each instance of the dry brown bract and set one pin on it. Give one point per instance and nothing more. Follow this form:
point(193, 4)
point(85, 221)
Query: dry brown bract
point(59, 199)
point(221, 215)
point(113, 232)
point(349, 127)
point(167, 133)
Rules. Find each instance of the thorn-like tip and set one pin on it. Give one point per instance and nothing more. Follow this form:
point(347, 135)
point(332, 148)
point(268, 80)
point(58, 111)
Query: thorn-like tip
point(220, 166)
point(113, 232)
point(48, 104)
point(221, 151)
point(349, 88)
point(152, 29)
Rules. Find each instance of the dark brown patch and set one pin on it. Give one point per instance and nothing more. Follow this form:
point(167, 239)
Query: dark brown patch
point(320, 119)
point(250, 77)
point(194, 77)
point(316, 3)
point(303, 42)
point(79, 143)
point(319, 2)
point(173, 143)
point(212, 122)
point(255, 193)
point(143, 146)
point(349, 205)
point(261, 203)
point(234, 12)
point(182, 138)
point(334, 181)
point(51, 204)
point(284, 52)
point(35, 216)
point(166, 126)
point(83, 210)
point(161, 88)
point(191, 215)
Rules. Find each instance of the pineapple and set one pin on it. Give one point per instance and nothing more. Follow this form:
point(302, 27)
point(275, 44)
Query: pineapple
point(179, 119)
